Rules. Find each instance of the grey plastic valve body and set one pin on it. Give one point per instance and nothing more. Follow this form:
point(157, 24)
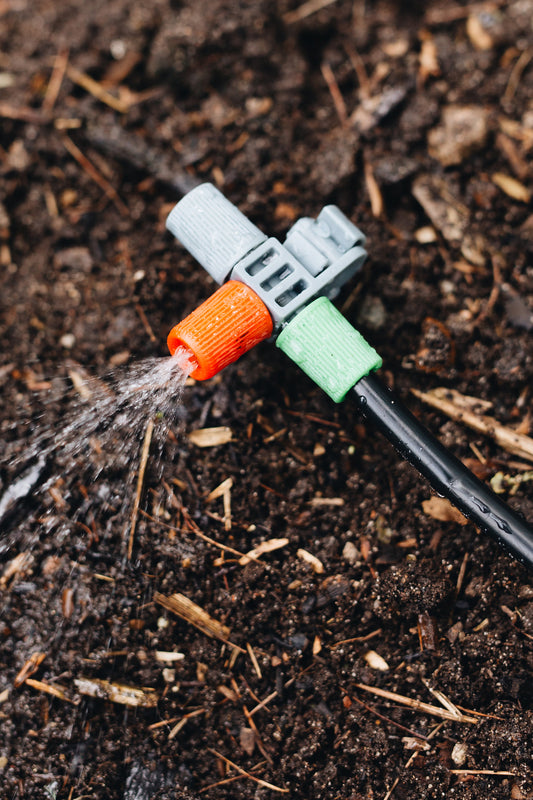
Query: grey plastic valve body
point(317, 258)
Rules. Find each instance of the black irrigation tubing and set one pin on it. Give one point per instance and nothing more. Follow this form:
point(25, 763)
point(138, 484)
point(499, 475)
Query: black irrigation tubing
point(446, 474)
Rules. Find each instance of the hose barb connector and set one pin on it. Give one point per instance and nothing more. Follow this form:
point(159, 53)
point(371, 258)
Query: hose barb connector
point(317, 258)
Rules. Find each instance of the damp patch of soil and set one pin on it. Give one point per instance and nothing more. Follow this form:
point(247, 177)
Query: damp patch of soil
point(184, 669)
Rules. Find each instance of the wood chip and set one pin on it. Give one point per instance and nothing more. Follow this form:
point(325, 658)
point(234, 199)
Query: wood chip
point(247, 740)
point(194, 614)
point(478, 34)
point(463, 131)
point(117, 692)
point(30, 667)
point(440, 508)
point(326, 501)
point(264, 547)
point(314, 562)
point(17, 564)
point(512, 187)
point(375, 661)
point(47, 688)
point(452, 403)
point(168, 657)
point(210, 437)
point(449, 216)
point(428, 59)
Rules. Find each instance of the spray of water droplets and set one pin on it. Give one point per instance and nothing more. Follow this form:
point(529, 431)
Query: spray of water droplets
point(100, 433)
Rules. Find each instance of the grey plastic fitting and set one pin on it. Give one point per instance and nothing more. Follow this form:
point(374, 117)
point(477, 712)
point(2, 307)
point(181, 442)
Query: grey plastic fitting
point(316, 259)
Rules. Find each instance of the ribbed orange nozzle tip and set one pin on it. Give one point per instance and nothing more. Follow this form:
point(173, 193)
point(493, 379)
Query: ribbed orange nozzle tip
point(228, 324)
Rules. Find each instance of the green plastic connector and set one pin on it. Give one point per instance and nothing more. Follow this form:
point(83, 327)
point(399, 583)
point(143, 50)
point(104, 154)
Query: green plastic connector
point(328, 349)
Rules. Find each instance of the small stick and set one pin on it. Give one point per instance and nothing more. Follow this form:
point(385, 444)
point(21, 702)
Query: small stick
point(140, 480)
point(516, 74)
point(254, 660)
point(56, 80)
point(258, 740)
point(387, 719)
point(481, 772)
point(516, 443)
point(183, 721)
point(248, 774)
point(93, 173)
point(333, 86)
point(452, 13)
point(23, 114)
point(365, 638)
point(305, 10)
point(144, 319)
point(359, 68)
point(197, 532)
point(494, 292)
point(374, 192)
point(232, 779)
point(417, 705)
point(161, 724)
point(98, 91)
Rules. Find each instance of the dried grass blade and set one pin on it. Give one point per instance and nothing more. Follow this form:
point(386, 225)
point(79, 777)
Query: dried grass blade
point(417, 705)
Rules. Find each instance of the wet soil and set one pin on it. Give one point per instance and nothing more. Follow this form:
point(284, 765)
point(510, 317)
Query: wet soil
point(285, 108)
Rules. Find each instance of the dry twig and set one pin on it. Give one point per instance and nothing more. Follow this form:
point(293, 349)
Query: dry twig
point(183, 721)
point(248, 774)
point(98, 91)
point(93, 173)
point(56, 79)
point(456, 406)
point(140, 481)
point(333, 86)
point(305, 10)
point(417, 705)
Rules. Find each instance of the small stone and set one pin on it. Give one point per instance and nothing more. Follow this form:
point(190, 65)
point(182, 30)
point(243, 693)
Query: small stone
point(372, 313)
point(426, 235)
point(68, 340)
point(463, 131)
point(350, 553)
point(375, 661)
point(169, 675)
point(459, 753)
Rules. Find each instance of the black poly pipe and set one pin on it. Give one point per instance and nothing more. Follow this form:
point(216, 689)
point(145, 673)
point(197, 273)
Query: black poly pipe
point(447, 475)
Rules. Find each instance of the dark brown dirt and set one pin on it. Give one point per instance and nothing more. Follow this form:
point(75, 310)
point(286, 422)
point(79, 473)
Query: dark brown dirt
point(234, 93)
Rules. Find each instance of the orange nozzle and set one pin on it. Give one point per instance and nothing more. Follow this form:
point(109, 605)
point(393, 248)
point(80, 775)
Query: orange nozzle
point(226, 325)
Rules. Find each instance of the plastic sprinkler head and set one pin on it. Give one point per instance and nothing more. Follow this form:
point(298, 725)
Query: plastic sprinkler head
point(270, 282)
point(285, 290)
